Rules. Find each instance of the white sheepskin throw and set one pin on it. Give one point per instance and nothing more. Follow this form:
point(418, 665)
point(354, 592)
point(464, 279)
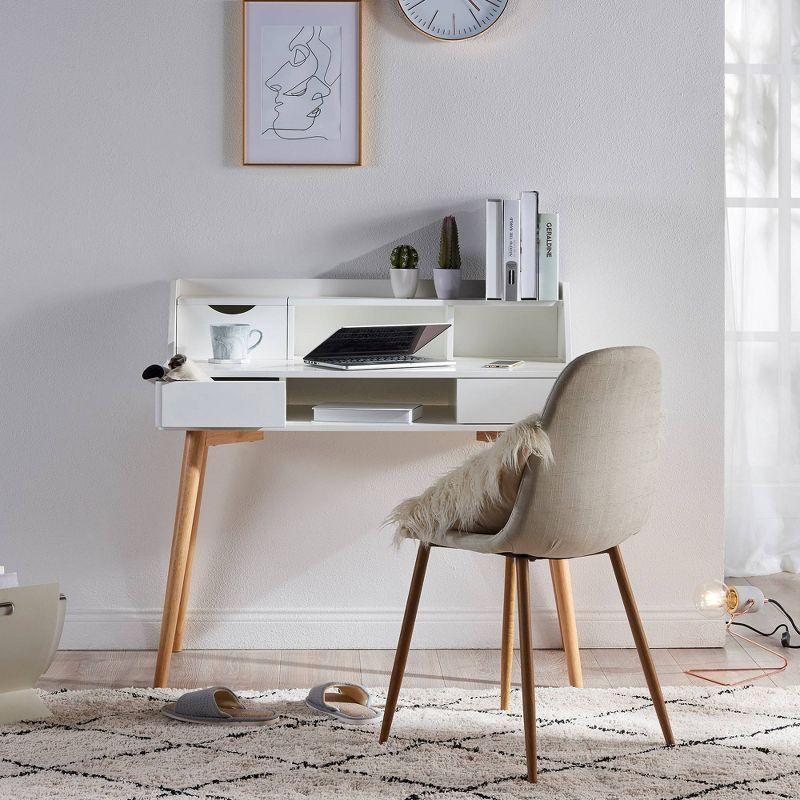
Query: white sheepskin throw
point(458, 498)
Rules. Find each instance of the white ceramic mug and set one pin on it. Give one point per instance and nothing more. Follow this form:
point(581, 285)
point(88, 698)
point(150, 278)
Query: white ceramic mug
point(230, 342)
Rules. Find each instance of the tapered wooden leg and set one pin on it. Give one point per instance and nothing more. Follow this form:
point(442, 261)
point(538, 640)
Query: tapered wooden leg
point(640, 639)
point(507, 652)
point(191, 468)
point(526, 660)
point(562, 587)
point(404, 643)
point(177, 645)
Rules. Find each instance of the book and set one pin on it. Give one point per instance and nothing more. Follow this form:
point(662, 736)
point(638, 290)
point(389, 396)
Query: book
point(548, 257)
point(367, 412)
point(511, 249)
point(529, 246)
point(494, 249)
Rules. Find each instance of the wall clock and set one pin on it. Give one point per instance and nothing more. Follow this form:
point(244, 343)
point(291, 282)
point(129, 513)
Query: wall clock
point(452, 20)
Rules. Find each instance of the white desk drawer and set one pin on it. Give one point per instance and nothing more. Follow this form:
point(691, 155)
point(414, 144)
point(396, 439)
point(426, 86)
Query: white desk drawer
point(221, 404)
point(499, 400)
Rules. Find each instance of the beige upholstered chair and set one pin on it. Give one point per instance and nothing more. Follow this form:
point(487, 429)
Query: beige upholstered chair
point(603, 419)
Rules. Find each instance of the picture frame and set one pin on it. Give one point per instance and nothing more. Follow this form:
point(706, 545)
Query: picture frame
point(302, 82)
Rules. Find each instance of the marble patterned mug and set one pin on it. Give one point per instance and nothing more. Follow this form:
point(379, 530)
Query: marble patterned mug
point(230, 342)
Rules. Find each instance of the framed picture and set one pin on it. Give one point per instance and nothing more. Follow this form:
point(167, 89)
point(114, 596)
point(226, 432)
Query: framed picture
point(302, 82)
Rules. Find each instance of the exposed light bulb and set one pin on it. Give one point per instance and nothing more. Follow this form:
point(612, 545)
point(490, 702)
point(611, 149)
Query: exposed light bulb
point(710, 598)
point(717, 599)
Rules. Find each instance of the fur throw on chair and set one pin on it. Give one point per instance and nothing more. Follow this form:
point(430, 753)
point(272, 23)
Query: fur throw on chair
point(461, 498)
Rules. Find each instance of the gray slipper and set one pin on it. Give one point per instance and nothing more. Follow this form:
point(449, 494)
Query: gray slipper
point(350, 702)
point(216, 705)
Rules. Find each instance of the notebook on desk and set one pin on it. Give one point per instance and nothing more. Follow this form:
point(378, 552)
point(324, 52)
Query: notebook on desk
point(377, 347)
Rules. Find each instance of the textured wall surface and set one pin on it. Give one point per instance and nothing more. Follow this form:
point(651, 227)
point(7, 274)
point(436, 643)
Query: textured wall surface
point(120, 149)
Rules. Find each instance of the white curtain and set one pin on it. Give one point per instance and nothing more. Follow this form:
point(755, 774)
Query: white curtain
point(762, 160)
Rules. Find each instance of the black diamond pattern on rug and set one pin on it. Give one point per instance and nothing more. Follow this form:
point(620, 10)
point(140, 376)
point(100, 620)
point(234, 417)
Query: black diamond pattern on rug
point(454, 744)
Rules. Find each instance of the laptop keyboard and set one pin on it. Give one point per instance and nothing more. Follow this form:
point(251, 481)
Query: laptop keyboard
point(389, 338)
point(375, 359)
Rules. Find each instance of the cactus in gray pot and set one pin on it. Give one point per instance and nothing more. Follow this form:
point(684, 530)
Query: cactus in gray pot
point(447, 276)
point(404, 256)
point(449, 253)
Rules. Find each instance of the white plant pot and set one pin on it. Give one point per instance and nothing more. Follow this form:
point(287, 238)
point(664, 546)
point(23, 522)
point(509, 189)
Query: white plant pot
point(404, 282)
point(447, 283)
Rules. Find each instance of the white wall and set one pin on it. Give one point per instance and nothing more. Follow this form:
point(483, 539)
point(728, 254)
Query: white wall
point(120, 148)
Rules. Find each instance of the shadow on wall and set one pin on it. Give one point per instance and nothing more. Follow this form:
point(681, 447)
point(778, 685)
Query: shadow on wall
point(375, 263)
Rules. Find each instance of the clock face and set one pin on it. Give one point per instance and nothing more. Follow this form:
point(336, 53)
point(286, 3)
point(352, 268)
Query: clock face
point(452, 19)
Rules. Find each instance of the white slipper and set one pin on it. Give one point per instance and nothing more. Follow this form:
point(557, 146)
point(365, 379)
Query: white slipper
point(349, 702)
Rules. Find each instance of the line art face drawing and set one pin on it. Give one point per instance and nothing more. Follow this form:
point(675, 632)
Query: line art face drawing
point(301, 70)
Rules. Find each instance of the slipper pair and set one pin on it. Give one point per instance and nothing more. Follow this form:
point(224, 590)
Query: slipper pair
point(349, 702)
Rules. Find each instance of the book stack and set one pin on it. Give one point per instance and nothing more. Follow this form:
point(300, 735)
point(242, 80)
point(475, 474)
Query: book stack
point(521, 250)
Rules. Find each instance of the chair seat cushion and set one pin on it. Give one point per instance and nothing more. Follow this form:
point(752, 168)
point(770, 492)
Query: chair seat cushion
point(478, 496)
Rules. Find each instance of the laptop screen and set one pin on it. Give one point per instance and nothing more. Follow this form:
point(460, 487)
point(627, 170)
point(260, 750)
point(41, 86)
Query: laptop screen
point(375, 340)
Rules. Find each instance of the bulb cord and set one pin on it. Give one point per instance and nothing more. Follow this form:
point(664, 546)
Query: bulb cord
point(785, 635)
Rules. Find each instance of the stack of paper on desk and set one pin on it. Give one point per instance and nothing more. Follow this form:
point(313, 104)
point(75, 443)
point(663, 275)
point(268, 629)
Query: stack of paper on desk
point(367, 412)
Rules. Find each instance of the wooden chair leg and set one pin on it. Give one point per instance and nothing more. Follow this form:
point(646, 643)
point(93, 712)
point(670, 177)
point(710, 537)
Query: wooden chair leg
point(562, 587)
point(507, 652)
point(404, 642)
point(526, 659)
point(180, 628)
point(193, 450)
point(640, 639)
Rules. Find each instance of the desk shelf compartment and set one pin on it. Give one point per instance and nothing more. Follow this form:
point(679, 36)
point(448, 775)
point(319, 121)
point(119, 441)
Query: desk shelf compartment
point(194, 316)
point(437, 396)
point(186, 405)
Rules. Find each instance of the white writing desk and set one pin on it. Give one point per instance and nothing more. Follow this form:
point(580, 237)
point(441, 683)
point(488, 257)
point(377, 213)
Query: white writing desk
point(276, 391)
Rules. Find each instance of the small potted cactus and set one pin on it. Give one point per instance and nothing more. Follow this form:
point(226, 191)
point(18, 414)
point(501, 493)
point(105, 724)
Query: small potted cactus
point(404, 273)
point(447, 277)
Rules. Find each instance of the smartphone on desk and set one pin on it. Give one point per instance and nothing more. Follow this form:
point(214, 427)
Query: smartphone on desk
point(503, 364)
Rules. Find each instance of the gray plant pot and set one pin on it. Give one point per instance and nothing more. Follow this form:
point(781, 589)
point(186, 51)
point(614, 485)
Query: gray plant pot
point(447, 283)
point(404, 282)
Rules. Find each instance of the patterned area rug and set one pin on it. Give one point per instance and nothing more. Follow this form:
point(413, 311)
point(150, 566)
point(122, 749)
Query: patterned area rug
point(454, 744)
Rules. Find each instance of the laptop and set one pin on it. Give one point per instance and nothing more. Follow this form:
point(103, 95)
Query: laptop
point(377, 347)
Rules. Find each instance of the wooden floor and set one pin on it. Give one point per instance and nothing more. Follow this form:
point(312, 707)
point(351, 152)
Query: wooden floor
point(471, 669)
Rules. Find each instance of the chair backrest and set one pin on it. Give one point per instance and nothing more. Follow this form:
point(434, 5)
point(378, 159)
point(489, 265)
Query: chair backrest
point(603, 417)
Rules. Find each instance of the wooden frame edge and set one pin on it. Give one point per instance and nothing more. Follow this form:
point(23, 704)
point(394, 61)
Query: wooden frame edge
point(360, 90)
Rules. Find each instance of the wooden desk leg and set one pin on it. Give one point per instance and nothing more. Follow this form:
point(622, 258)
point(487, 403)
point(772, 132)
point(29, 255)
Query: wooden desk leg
point(191, 468)
point(562, 587)
point(177, 645)
point(507, 652)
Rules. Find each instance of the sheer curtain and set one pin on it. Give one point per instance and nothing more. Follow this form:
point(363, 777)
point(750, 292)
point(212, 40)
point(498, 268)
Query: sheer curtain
point(762, 160)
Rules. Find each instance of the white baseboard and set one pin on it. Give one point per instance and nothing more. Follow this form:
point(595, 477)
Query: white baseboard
point(361, 628)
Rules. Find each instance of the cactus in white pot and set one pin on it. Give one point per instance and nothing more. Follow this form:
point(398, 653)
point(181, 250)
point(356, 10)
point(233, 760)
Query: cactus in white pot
point(404, 274)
